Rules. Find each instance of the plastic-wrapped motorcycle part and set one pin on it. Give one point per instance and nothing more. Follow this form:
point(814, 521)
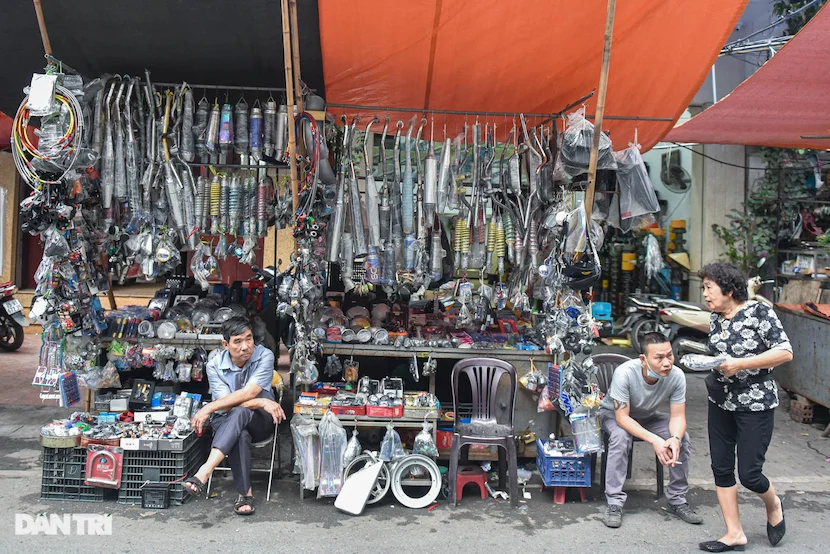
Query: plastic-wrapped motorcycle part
point(268, 125)
point(188, 150)
point(637, 197)
point(332, 449)
point(226, 138)
point(391, 446)
point(334, 367)
point(307, 446)
point(424, 444)
point(654, 257)
point(224, 198)
point(281, 133)
point(120, 190)
point(700, 361)
point(201, 125)
point(353, 449)
point(241, 138)
point(212, 131)
point(55, 245)
point(577, 141)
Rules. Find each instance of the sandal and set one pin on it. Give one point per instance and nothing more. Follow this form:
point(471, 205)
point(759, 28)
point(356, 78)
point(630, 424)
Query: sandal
point(193, 486)
point(244, 501)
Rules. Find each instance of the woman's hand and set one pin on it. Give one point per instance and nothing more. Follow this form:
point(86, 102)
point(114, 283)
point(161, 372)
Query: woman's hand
point(730, 366)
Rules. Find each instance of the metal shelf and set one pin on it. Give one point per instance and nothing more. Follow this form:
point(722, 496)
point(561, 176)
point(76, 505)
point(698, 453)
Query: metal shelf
point(366, 421)
point(804, 251)
point(806, 200)
point(799, 277)
point(390, 351)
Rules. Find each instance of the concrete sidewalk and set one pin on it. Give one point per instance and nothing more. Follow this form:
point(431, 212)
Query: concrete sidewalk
point(797, 462)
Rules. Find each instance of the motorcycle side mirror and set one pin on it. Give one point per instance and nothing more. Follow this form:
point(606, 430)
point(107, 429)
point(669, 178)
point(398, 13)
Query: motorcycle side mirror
point(255, 268)
point(762, 261)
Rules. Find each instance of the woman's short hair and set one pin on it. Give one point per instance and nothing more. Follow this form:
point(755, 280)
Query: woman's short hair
point(728, 277)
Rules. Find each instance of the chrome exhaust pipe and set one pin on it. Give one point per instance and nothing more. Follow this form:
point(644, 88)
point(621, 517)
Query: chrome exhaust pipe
point(693, 346)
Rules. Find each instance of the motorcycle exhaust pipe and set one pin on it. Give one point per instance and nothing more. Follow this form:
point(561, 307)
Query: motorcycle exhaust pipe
point(693, 346)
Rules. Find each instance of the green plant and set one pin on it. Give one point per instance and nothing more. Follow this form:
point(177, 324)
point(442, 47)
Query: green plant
point(784, 7)
point(750, 235)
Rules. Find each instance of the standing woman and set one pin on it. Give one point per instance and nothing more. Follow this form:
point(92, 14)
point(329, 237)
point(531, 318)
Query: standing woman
point(742, 398)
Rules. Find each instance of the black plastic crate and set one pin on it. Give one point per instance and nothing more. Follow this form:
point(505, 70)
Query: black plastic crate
point(64, 471)
point(160, 466)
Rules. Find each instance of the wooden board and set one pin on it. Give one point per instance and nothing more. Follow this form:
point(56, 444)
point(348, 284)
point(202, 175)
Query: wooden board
point(799, 292)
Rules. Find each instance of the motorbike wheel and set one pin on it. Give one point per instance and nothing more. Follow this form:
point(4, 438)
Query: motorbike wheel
point(639, 329)
point(679, 351)
point(11, 336)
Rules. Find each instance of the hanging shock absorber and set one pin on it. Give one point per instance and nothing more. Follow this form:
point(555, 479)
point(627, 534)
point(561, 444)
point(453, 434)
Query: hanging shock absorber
point(215, 204)
point(234, 194)
point(499, 246)
point(263, 199)
point(461, 244)
point(224, 222)
point(509, 236)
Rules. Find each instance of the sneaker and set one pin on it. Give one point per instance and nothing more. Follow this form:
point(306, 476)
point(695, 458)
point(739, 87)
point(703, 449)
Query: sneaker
point(613, 516)
point(684, 512)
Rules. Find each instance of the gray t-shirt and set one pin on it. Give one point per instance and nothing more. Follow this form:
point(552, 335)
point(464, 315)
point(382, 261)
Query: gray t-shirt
point(629, 386)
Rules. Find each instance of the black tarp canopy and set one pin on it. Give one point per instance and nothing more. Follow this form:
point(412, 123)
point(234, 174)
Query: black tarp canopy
point(218, 42)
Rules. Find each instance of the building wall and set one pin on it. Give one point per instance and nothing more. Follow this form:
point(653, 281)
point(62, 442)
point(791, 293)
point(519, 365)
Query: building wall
point(8, 190)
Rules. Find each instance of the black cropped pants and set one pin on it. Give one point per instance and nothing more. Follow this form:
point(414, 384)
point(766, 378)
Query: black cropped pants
point(748, 434)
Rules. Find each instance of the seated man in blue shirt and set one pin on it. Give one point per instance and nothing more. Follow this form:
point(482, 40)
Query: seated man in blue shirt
point(243, 409)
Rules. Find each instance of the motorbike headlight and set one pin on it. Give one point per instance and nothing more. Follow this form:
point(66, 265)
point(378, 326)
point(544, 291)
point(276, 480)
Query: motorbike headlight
point(632, 309)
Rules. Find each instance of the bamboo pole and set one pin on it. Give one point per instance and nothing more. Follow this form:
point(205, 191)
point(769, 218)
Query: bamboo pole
point(41, 23)
point(600, 111)
point(295, 55)
point(290, 101)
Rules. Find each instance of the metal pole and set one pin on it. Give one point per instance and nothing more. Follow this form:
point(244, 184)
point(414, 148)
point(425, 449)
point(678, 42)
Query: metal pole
point(600, 111)
point(714, 84)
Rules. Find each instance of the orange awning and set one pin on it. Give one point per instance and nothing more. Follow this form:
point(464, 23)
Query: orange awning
point(522, 56)
point(786, 99)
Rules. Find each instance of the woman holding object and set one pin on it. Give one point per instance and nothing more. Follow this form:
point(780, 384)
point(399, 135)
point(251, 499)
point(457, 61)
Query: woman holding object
point(742, 398)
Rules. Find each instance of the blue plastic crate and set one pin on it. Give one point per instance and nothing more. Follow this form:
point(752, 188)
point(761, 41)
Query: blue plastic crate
point(562, 471)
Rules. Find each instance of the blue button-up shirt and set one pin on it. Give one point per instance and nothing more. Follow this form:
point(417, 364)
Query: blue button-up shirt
point(225, 377)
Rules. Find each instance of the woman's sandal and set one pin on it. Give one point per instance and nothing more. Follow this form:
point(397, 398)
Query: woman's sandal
point(244, 501)
point(193, 486)
point(776, 532)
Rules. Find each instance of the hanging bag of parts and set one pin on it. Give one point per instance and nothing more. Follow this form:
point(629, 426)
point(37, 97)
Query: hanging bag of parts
point(332, 450)
point(637, 198)
point(307, 446)
point(577, 141)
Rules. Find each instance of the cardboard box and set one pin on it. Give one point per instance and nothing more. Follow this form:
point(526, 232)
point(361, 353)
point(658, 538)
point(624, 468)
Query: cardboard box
point(130, 444)
point(148, 444)
point(159, 416)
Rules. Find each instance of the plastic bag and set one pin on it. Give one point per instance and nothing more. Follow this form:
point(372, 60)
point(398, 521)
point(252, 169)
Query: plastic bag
point(391, 447)
point(55, 245)
point(307, 447)
point(424, 444)
point(654, 258)
point(545, 404)
point(353, 449)
point(577, 141)
point(699, 361)
point(534, 379)
point(585, 428)
point(332, 450)
point(637, 197)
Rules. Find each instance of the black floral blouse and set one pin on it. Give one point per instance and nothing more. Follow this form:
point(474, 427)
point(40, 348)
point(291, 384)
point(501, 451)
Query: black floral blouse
point(752, 331)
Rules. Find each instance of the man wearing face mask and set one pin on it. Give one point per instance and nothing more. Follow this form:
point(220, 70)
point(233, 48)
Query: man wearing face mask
point(630, 409)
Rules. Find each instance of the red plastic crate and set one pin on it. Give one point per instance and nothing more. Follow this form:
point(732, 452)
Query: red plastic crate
point(384, 411)
point(348, 410)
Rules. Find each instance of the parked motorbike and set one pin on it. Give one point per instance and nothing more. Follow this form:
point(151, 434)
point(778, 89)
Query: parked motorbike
point(688, 324)
point(642, 316)
point(12, 319)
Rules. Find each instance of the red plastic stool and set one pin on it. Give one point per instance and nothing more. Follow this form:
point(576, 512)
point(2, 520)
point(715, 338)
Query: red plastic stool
point(470, 474)
point(559, 494)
